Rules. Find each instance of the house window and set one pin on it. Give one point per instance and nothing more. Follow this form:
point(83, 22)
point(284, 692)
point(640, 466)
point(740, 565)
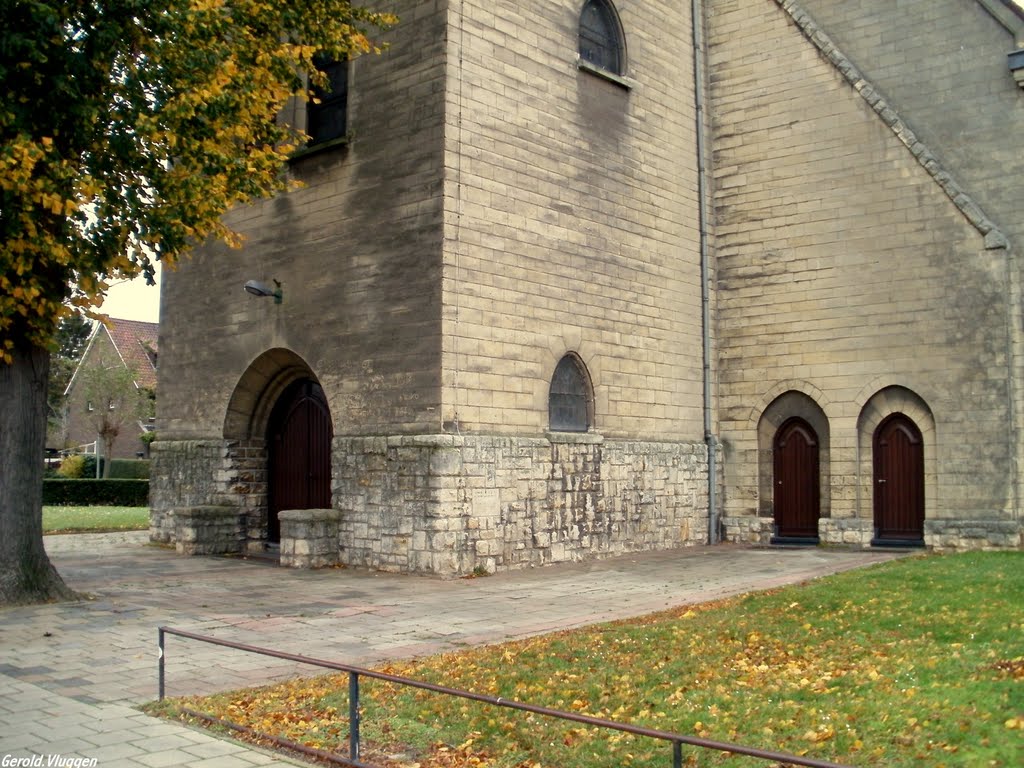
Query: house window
point(327, 109)
point(601, 38)
point(570, 404)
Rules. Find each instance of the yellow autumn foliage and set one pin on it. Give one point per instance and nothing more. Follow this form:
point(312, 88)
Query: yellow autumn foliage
point(124, 138)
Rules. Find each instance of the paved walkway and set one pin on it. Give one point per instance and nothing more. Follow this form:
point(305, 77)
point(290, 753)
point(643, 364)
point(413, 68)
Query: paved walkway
point(72, 673)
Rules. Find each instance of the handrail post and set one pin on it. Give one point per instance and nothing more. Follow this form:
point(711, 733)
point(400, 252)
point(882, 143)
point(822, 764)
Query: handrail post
point(353, 716)
point(160, 663)
point(677, 754)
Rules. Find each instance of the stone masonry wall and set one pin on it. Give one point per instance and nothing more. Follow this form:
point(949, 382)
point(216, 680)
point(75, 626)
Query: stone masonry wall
point(181, 475)
point(571, 221)
point(451, 504)
point(203, 473)
point(959, 99)
point(357, 248)
point(844, 268)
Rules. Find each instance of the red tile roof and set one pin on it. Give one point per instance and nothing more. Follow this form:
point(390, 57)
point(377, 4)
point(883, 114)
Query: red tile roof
point(136, 342)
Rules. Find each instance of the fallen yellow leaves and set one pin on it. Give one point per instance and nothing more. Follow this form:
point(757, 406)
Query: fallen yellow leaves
point(879, 681)
point(822, 733)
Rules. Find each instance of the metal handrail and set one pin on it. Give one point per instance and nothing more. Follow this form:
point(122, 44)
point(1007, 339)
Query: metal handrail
point(354, 673)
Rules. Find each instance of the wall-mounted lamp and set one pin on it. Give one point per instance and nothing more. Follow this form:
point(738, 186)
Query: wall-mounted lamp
point(1017, 66)
point(256, 288)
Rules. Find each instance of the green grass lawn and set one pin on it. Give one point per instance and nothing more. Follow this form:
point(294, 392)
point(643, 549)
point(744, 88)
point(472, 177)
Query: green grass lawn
point(918, 662)
point(94, 519)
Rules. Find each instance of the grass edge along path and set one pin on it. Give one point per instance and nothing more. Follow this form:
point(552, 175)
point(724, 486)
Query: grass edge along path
point(917, 662)
point(98, 519)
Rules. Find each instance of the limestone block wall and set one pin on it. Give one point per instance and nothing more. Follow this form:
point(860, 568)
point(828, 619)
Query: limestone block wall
point(959, 98)
point(571, 221)
point(209, 530)
point(208, 473)
point(181, 475)
point(846, 270)
point(309, 538)
point(357, 250)
point(450, 504)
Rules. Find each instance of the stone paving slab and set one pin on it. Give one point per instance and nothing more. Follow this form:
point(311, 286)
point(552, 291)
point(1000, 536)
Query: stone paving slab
point(72, 673)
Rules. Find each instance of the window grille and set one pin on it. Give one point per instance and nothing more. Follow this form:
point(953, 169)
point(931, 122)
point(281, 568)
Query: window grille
point(569, 399)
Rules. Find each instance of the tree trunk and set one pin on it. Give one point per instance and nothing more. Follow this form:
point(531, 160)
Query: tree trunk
point(108, 452)
point(26, 574)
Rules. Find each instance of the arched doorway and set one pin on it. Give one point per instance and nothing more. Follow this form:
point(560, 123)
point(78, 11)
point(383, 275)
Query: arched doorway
point(299, 436)
point(898, 457)
point(796, 492)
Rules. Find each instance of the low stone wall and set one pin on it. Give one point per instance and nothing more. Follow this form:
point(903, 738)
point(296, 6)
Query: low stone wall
point(181, 475)
point(851, 531)
point(748, 530)
point(454, 504)
point(939, 535)
point(953, 535)
point(451, 504)
point(191, 473)
point(208, 530)
point(309, 538)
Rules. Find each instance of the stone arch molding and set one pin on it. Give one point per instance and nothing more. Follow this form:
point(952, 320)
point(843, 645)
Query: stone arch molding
point(787, 404)
point(258, 389)
point(881, 404)
point(570, 342)
point(783, 387)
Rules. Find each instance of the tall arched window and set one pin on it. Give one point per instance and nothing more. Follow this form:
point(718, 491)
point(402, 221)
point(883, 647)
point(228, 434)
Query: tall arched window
point(570, 403)
point(601, 38)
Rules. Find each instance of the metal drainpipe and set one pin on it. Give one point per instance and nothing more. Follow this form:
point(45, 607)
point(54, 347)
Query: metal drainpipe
point(697, 17)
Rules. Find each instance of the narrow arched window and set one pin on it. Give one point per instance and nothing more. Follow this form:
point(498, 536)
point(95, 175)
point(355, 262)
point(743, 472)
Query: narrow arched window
point(569, 399)
point(601, 39)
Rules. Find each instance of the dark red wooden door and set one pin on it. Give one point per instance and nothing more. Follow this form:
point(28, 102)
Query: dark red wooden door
point(299, 447)
point(899, 480)
point(796, 497)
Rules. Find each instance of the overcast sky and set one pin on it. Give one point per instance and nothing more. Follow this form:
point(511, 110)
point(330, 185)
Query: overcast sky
point(134, 300)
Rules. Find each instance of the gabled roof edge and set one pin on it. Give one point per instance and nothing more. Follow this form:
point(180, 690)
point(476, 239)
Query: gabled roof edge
point(88, 346)
point(1010, 15)
point(994, 237)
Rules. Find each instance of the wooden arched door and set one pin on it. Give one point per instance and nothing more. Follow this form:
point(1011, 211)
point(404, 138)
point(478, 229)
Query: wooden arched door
point(299, 453)
point(796, 494)
point(898, 455)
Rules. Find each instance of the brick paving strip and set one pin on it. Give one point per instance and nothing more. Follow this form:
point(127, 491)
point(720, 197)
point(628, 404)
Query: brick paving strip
point(71, 674)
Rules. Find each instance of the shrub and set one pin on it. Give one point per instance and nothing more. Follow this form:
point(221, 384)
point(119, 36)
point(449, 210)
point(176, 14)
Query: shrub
point(72, 467)
point(84, 492)
point(89, 468)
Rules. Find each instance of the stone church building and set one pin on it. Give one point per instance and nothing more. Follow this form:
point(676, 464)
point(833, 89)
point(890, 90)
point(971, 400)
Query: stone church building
point(580, 277)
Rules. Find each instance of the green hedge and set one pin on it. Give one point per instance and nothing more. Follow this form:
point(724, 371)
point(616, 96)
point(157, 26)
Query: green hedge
point(120, 469)
point(129, 469)
point(111, 493)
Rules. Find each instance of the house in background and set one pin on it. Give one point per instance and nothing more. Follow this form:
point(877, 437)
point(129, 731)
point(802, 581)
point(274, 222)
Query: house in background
point(123, 344)
point(575, 278)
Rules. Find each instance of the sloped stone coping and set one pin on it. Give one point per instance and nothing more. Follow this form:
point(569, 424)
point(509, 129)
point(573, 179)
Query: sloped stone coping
point(213, 530)
point(309, 537)
point(993, 236)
